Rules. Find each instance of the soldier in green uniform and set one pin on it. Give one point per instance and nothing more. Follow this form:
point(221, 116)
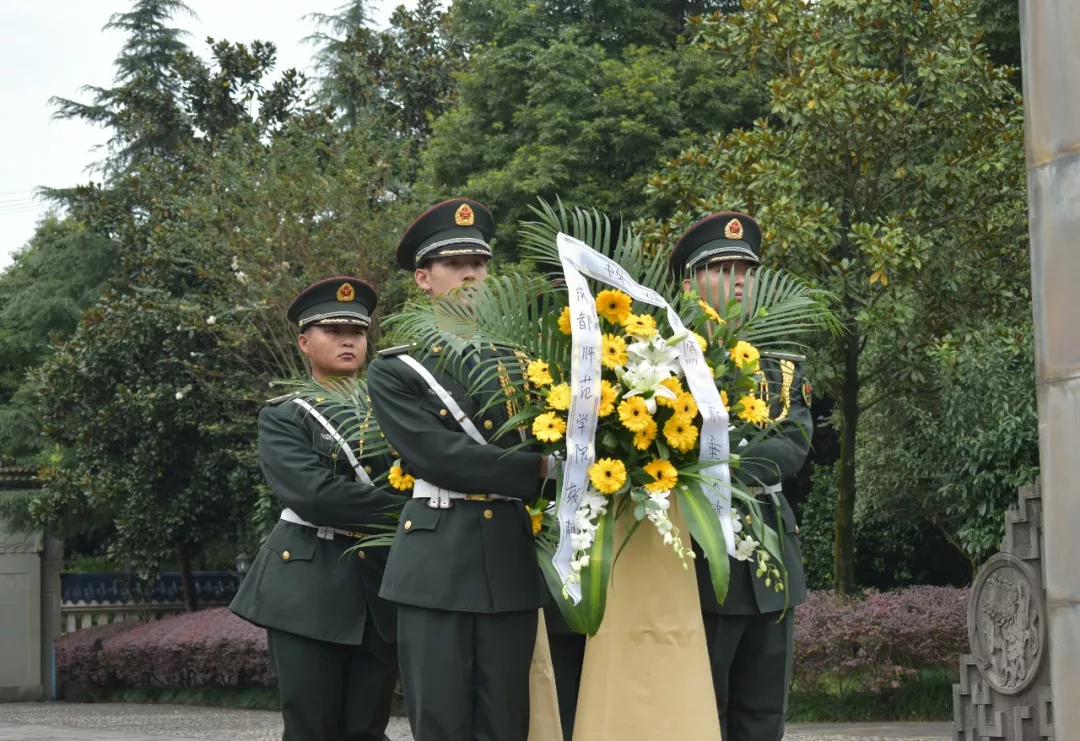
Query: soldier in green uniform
point(332, 638)
point(463, 567)
point(750, 644)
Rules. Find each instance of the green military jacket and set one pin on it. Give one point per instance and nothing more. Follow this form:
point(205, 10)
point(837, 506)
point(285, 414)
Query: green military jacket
point(301, 583)
point(476, 556)
point(769, 461)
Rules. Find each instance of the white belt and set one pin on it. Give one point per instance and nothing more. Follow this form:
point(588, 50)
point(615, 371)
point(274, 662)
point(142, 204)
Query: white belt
point(326, 533)
point(758, 491)
point(440, 498)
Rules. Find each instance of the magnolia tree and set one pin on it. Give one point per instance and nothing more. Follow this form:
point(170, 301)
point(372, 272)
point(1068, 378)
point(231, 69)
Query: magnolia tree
point(888, 171)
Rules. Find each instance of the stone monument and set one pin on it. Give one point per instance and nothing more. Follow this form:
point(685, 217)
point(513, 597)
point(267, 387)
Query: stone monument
point(1004, 689)
point(1050, 35)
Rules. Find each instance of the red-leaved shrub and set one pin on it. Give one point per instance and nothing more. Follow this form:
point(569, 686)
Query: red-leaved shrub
point(199, 649)
point(874, 642)
point(869, 643)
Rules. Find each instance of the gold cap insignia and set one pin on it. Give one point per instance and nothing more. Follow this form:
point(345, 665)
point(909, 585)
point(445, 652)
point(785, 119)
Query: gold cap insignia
point(346, 293)
point(733, 230)
point(464, 215)
point(807, 391)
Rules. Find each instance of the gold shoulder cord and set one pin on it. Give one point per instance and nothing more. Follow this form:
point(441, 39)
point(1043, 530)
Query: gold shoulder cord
point(787, 370)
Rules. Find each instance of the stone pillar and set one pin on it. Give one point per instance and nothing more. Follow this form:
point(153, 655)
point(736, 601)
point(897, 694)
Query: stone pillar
point(52, 563)
point(20, 617)
point(1051, 61)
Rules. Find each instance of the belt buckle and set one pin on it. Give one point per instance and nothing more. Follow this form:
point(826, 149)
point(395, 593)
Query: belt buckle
point(477, 498)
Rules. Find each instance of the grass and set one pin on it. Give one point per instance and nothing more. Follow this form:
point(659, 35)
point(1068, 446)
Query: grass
point(253, 698)
point(927, 697)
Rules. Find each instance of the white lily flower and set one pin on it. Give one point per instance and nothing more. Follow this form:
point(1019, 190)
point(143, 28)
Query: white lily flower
point(654, 352)
point(745, 549)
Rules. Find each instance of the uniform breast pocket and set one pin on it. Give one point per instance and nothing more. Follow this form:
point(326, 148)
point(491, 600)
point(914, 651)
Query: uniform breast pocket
point(435, 406)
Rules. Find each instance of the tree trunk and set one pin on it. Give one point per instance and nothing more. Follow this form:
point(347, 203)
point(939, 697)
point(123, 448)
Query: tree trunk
point(187, 578)
point(844, 522)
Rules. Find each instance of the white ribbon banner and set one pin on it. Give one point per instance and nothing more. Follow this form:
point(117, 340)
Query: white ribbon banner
point(580, 260)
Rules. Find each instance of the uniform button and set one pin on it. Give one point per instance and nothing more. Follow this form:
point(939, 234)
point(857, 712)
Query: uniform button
point(443, 412)
point(361, 555)
point(285, 556)
point(488, 514)
point(408, 524)
point(367, 469)
point(488, 424)
point(436, 348)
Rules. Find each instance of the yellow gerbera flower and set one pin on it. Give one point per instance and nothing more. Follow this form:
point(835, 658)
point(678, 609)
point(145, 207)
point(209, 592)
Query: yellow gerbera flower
point(399, 479)
point(549, 427)
point(710, 312)
point(559, 397)
point(724, 399)
point(539, 374)
point(607, 475)
point(613, 305)
point(754, 410)
point(537, 522)
point(608, 395)
point(634, 414)
point(674, 386)
point(686, 406)
point(700, 341)
point(613, 352)
point(564, 320)
point(744, 354)
point(665, 475)
point(680, 433)
point(644, 439)
point(640, 325)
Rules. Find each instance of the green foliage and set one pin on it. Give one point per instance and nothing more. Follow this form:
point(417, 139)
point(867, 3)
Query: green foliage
point(955, 455)
point(42, 295)
point(926, 698)
point(150, 445)
point(577, 102)
point(397, 80)
point(141, 110)
point(889, 172)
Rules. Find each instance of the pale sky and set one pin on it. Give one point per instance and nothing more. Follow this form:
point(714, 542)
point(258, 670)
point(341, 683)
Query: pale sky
point(54, 47)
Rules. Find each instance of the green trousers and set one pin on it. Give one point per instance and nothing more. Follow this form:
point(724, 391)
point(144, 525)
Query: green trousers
point(332, 691)
point(567, 657)
point(466, 675)
point(751, 667)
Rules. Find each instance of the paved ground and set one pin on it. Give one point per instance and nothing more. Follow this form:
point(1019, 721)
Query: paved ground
point(62, 722)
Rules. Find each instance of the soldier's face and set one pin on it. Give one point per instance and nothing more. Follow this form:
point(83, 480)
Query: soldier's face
point(334, 351)
point(444, 274)
point(720, 282)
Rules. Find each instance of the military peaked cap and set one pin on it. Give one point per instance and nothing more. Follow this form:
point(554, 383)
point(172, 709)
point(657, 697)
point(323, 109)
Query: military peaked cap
point(723, 237)
point(457, 227)
point(341, 300)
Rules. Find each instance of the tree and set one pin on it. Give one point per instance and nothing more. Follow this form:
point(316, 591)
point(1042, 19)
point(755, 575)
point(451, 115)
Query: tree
point(954, 456)
point(889, 171)
point(43, 293)
point(576, 101)
point(152, 417)
point(141, 109)
point(397, 81)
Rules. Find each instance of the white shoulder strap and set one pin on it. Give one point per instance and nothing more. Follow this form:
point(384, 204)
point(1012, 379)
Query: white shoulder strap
point(445, 397)
point(361, 474)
